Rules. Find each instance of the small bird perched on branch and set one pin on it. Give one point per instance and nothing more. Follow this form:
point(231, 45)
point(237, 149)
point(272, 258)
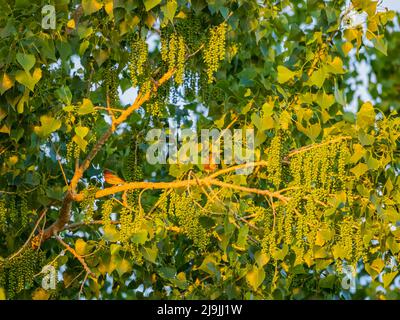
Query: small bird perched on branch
point(111, 178)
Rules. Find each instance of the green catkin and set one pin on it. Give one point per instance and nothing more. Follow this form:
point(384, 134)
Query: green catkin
point(106, 211)
point(180, 61)
point(24, 210)
point(12, 209)
point(134, 171)
point(215, 49)
point(275, 153)
point(18, 274)
point(188, 219)
point(126, 225)
point(172, 51)
point(3, 215)
point(87, 204)
point(70, 150)
point(346, 238)
point(111, 84)
point(137, 61)
point(130, 223)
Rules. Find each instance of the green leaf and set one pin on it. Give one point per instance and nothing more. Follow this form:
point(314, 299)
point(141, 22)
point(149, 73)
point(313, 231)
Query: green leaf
point(81, 131)
point(325, 100)
point(242, 237)
point(86, 107)
point(28, 80)
point(48, 125)
point(64, 94)
point(111, 233)
point(139, 237)
point(123, 266)
point(150, 4)
point(261, 258)
point(27, 61)
point(284, 74)
point(387, 278)
point(327, 282)
point(21, 103)
point(167, 272)
point(169, 9)
point(381, 45)
point(150, 254)
point(91, 6)
point(255, 277)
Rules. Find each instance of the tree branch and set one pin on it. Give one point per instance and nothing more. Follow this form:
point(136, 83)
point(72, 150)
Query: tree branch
point(76, 255)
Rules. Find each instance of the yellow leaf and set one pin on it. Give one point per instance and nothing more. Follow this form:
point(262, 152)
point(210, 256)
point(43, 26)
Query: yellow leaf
point(91, 6)
point(261, 258)
point(82, 143)
point(109, 6)
point(6, 82)
point(366, 115)
point(2, 294)
point(255, 277)
point(336, 66)
point(81, 131)
point(5, 129)
point(80, 247)
point(323, 236)
point(181, 15)
point(351, 34)
point(123, 266)
point(358, 153)
point(40, 294)
point(359, 169)
point(317, 78)
point(71, 24)
point(346, 47)
point(284, 74)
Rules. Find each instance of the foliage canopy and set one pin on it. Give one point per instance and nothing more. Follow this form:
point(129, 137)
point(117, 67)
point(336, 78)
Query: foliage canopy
point(324, 194)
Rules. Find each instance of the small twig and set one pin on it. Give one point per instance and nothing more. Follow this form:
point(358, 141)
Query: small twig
point(30, 236)
point(75, 254)
point(112, 109)
point(59, 163)
point(77, 225)
point(82, 285)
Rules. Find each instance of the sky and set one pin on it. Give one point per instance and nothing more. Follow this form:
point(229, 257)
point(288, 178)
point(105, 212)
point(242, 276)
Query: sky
point(391, 4)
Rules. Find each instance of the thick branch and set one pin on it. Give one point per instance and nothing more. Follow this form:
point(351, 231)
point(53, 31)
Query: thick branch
point(65, 210)
point(180, 184)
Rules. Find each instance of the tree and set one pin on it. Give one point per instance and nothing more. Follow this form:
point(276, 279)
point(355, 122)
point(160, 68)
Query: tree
point(322, 197)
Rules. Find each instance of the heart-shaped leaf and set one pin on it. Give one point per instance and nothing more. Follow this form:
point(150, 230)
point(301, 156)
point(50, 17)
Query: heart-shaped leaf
point(81, 131)
point(27, 61)
point(28, 80)
point(49, 125)
point(86, 107)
